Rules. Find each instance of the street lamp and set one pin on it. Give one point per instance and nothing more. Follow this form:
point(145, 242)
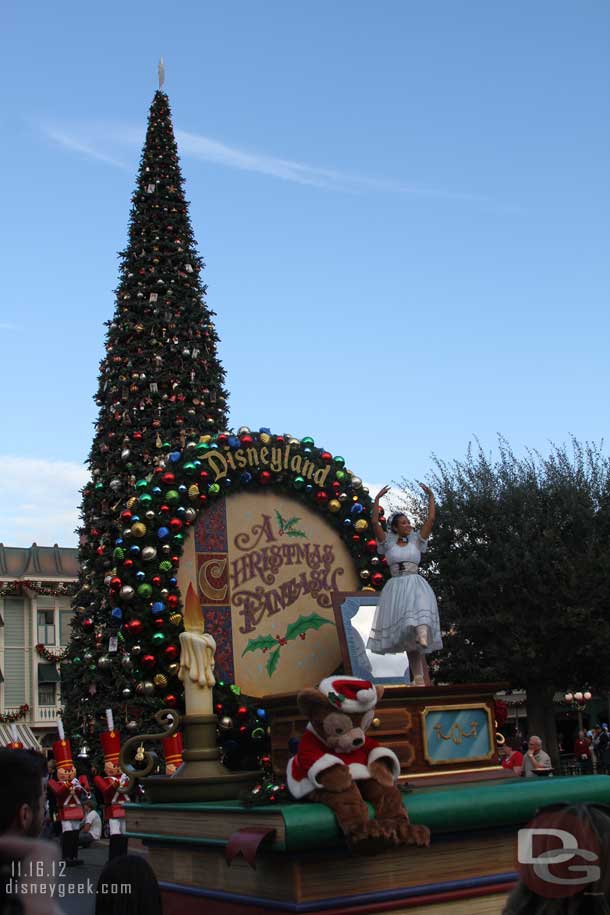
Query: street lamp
point(578, 700)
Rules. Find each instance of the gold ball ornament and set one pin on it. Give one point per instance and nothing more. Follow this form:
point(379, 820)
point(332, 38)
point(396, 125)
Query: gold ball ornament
point(131, 502)
point(334, 506)
point(160, 680)
point(193, 492)
point(361, 524)
point(175, 619)
point(138, 529)
point(369, 589)
point(173, 668)
point(204, 439)
point(265, 438)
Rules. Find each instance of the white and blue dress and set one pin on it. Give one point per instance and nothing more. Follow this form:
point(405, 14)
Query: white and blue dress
point(406, 601)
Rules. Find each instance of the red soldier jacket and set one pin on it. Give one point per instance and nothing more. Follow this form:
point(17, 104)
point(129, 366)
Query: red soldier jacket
point(107, 786)
point(313, 757)
point(69, 797)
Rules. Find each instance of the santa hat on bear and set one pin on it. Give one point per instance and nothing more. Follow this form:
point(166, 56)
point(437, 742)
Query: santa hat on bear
point(349, 694)
point(15, 743)
point(62, 751)
point(110, 740)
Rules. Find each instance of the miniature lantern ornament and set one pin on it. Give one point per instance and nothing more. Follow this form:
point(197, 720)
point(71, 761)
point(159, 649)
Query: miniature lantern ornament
point(197, 649)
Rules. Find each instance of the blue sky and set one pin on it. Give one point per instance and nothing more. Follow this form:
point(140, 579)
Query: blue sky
point(402, 207)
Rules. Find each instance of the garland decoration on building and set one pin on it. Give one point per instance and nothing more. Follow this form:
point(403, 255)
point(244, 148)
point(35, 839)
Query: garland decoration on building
point(54, 657)
point(9, 717)
point(20, 587)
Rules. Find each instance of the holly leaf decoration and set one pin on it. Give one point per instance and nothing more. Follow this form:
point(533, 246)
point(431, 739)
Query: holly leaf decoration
point(296, 534)
point(303, 624)
point(260, 643)
point(272, 661)
point(288, 525)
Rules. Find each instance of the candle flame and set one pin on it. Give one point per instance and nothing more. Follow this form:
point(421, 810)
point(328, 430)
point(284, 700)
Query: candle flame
point(193, 618)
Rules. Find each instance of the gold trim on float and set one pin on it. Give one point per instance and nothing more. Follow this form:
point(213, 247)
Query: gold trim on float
point(415, 775)
point(481, 706)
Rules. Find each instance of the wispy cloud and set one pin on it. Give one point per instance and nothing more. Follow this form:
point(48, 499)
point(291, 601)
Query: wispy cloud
point(39, 500)
point(99, 142)
point(72, 142)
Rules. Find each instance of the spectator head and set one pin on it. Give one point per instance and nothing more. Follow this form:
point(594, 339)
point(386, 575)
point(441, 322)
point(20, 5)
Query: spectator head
point(534, 743)
point(89, 805)
point(592, 897)
point(22, 792)
point(135, 873)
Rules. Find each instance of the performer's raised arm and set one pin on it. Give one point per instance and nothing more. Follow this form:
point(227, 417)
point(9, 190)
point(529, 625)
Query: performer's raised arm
point(377, 528)
point(426, 528)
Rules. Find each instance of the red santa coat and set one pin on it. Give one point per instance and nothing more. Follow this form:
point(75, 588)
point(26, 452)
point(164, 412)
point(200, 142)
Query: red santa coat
point(69, 795)
point(313, 757)
point(108, 788)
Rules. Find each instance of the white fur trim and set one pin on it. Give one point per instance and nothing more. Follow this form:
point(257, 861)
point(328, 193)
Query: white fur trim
point(296, 788)
point(359, 771)
point(385, 753)
point(324, 762)
point(306, 785)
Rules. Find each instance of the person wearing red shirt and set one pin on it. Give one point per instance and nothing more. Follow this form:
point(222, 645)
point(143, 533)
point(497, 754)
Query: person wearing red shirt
point(582, 751)
point(512, 759)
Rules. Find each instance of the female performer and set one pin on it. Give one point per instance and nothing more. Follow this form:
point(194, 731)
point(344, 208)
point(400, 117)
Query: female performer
point(406, 618)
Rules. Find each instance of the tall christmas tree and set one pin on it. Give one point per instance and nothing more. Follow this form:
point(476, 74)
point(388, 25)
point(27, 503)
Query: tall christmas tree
point(160, 386)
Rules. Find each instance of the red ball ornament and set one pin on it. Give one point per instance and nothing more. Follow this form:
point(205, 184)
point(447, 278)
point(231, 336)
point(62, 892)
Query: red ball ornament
point(137, 436)
point(126, 516)
point(326, 456)
point(264, 477)
point(149, 661)
point(322, 497)
point(158, 469)
point(88, 624)
point(355, 538)
point(377, 579)
point(222, 439)
point(100, 551)
point(203, 499)
point(242, 710)
point(115, 584)
point(172, 601)
point(246, 439)
point(219, 707)
point(175, 525)
point(204, 475)
point(164, 509)
point(371, 546)
point(175, 560)
point(156, 581)
point(128, 563)
point(168, 478)
point(171, 700)
point(171, 652)
point(135, 627)
point(159, 622)
point(336, 485)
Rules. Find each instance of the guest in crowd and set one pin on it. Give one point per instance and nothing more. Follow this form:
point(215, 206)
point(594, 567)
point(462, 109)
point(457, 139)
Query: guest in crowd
point(536, 760)
point(91, 830)
point(144, 897)
point(511, 758)
point(582, 752)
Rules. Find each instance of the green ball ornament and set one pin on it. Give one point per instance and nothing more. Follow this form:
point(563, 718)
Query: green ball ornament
point(172, 496)
point(339, 461)
point(158, 638)
point(144, 590)
point(178, 538)
point(98, 486)
point(298, 482)
point(165, 566)
point(76, 660)
point(145, 499)
point(341, 475)
point(214, 488)
point(141, 485)
point(202, 447)
point(119, 554)
point(189, 468)
point(307, 441)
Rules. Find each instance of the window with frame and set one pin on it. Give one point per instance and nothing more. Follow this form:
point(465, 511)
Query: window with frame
point(46, 627)
point(46, 694)
point(65, 629)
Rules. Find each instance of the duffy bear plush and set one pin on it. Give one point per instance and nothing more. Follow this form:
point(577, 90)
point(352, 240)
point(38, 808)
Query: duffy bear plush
point(337, 764)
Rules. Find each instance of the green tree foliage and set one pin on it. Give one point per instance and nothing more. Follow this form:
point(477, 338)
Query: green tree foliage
point(520, 564)
point(160, 385)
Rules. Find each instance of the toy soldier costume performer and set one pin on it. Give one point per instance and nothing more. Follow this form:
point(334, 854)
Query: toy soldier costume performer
point(69, 793)
point(114, 799)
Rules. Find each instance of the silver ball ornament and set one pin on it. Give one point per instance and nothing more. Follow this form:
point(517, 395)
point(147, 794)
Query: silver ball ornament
point(127, 592)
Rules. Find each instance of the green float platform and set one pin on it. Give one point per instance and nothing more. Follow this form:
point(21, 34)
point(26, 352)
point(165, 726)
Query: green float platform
point(303, 865)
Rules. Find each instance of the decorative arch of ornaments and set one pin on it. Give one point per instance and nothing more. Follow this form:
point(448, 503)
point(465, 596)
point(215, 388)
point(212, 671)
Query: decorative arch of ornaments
point(143, 597)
